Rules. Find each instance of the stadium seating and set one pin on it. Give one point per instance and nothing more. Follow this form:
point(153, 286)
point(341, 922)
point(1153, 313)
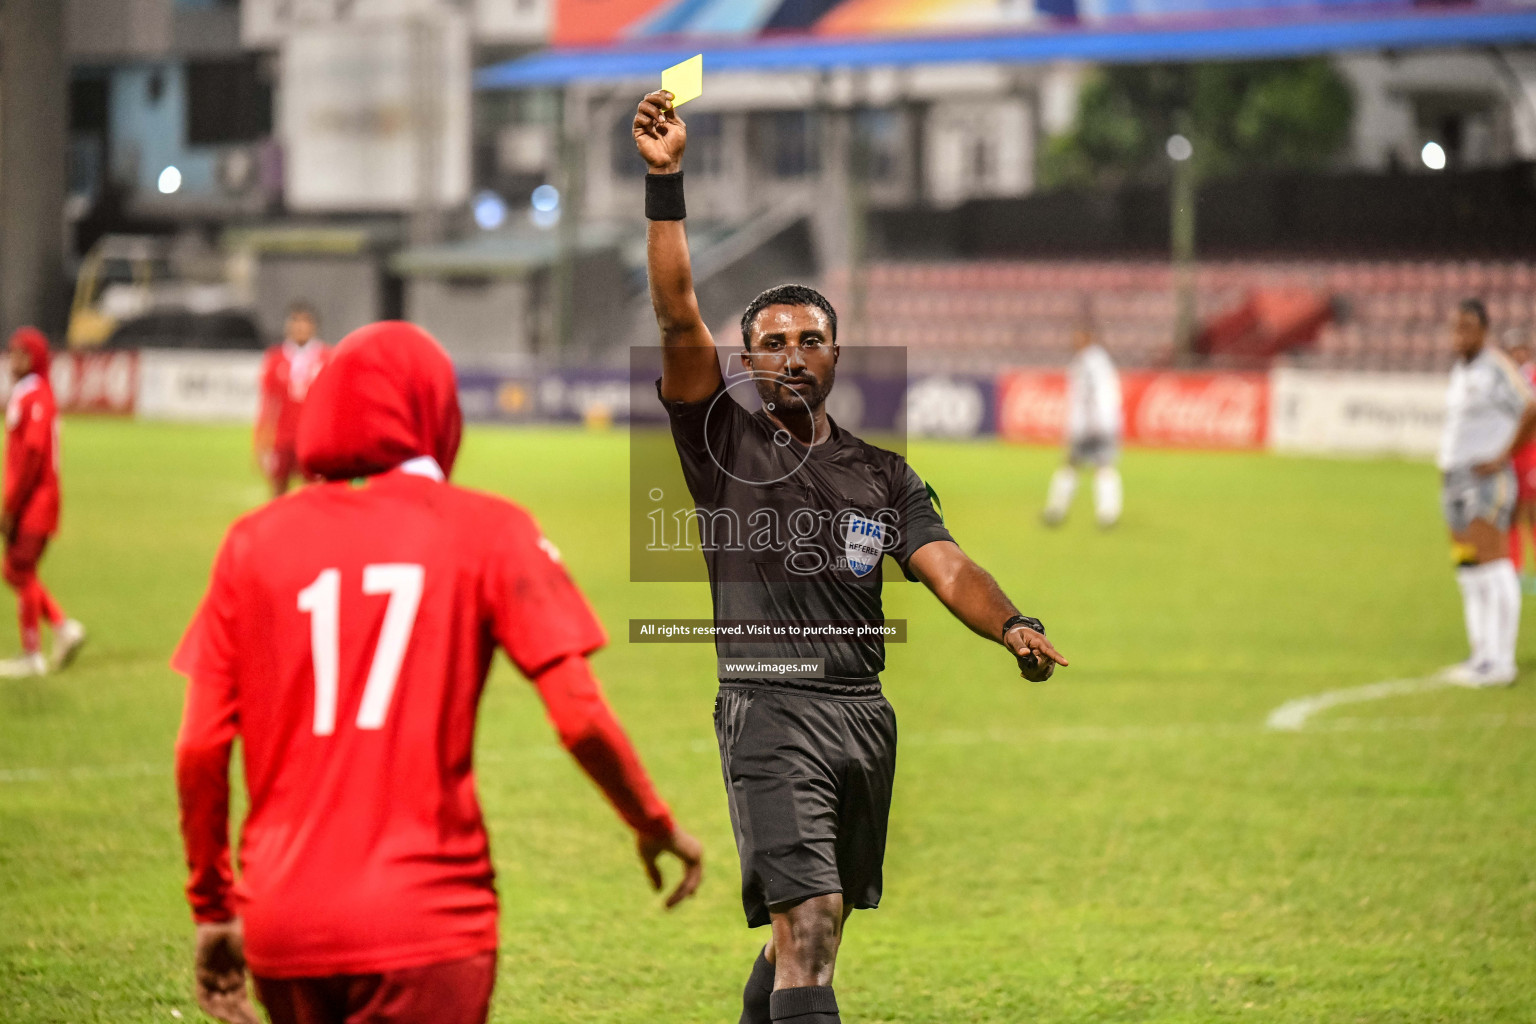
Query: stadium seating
point(982, 315)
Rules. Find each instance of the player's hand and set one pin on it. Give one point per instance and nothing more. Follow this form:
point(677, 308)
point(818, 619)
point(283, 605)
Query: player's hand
point(1038, 658)
point(682, 846)
point(220, 973)
point(7, 526)
point(1490, 467)
point(660, 134)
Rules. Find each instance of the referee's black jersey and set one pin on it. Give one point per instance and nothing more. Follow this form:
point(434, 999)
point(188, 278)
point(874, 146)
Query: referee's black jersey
point(794, 534)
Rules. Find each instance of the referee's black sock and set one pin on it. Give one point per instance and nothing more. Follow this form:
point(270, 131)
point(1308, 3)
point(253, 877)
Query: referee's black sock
point(754, 998)
point(813, 1005)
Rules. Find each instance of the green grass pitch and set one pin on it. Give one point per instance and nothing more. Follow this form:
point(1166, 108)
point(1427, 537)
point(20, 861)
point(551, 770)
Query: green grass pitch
point(1124, 843)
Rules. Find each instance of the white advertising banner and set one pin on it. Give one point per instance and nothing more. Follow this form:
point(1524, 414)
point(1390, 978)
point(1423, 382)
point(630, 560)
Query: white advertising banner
point(1356, 413)
point(513, 21)
point(205, 387)
point(268, 22)
point(374, 116)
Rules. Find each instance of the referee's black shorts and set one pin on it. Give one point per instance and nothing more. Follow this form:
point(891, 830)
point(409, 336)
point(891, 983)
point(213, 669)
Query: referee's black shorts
point(809, 780)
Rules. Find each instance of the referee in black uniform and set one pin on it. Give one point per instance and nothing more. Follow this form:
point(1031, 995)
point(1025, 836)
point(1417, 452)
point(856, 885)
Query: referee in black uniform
point(808, 758)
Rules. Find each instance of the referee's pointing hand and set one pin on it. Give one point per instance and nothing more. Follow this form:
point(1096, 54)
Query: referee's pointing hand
point(1038, 658)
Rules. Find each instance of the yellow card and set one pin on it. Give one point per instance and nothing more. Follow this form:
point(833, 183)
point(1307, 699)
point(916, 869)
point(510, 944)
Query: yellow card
point(684, 81)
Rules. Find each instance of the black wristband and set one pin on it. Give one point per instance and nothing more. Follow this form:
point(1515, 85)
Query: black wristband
point(1023, 620)
point(664, 197)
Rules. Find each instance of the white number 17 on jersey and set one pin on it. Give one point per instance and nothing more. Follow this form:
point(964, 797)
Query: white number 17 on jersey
point(322, 600)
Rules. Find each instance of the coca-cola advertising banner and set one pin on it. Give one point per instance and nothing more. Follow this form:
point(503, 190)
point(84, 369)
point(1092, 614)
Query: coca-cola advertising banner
point(1162, 409)
point(96, 382)
point(1032, 405)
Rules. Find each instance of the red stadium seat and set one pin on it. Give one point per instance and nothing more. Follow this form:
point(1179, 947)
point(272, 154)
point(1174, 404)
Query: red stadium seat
point(987, 314)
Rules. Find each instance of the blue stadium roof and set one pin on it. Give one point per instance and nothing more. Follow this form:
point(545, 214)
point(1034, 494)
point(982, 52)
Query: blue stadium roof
point(1280, 35)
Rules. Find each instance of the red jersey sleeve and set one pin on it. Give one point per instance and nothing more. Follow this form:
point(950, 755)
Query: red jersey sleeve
point(30, 436)
point(209, 724)
point(38, 428)
point(538, 615)
point(589, 730)
point(546, 628)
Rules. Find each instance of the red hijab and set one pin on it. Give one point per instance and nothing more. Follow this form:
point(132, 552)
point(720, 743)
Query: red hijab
point(35, 344)
point(388, 395)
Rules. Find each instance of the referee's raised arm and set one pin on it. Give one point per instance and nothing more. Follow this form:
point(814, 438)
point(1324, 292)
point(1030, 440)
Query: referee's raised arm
point(690, 371)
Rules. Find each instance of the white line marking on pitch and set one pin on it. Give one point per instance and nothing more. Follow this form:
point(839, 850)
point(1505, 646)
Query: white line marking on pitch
point(950, 737)
point(1293, 714)
point(84, 771)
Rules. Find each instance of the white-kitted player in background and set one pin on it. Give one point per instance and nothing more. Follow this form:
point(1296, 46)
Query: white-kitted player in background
point(1490, 415)
point(1092, 430)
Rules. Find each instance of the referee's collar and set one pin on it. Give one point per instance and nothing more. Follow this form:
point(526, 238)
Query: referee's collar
point(835, 433)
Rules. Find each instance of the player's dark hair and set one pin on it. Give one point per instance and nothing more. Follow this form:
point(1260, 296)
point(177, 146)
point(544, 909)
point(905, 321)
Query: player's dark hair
point(305, 307)
point(1476, 308)
point(786, 295)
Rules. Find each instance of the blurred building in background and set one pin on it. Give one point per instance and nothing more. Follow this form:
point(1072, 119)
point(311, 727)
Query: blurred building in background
point(290, 146)
point(955, 173)
point(960, 174)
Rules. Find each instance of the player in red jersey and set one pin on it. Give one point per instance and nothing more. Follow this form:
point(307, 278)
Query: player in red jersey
point(286, 375)
point(1524, 464)
point(345, 638)
point(31, 514)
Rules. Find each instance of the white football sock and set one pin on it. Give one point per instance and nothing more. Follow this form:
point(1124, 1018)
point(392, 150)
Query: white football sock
point(1503, 584)
point(1063, 486)
point(1107, 495)
point(1474, 606)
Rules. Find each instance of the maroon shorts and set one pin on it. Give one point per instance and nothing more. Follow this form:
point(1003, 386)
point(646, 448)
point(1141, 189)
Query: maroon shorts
point(455, 992)
point(22, 555)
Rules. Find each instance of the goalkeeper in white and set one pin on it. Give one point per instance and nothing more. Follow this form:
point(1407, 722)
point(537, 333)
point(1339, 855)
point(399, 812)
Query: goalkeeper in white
point(1092, 431)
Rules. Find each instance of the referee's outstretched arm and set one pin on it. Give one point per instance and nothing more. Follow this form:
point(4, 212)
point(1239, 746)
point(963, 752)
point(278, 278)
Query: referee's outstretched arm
point(690, 370)
point(974, 597)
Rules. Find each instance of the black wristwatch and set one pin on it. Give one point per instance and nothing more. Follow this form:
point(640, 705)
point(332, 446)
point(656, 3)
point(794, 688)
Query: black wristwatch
point(1023, 620)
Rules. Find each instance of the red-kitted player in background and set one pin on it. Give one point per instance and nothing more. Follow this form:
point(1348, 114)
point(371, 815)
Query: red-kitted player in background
point(31, 514)
point(1524, 464)
point(345, 639)
point(286, 375)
